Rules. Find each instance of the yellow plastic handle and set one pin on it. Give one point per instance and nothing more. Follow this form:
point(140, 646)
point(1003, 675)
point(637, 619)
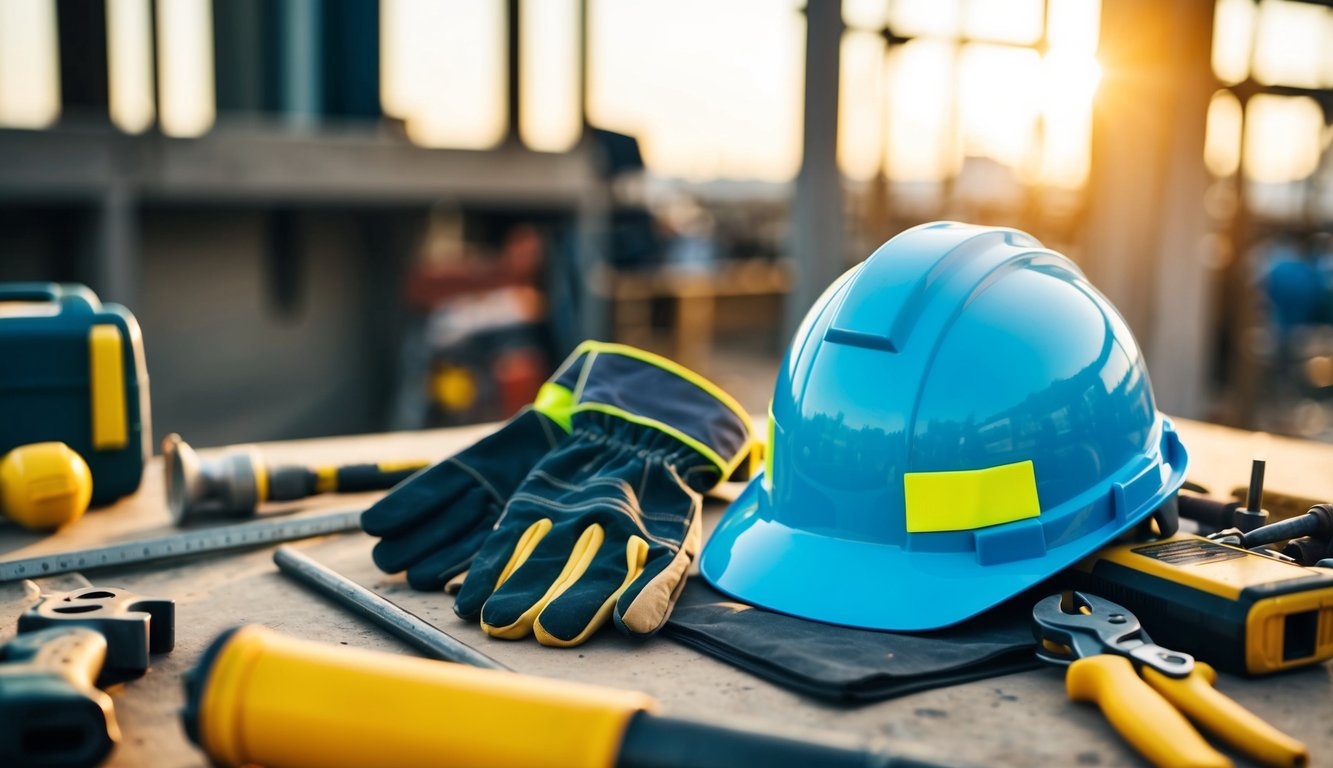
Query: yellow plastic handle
point(1211, 710)
point(1146, 720)
point(282, 702)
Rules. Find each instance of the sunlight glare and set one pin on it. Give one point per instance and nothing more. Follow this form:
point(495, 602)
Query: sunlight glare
point(1073, 25)
point(1004, 21)
point(999, 91)
point(1233, 39)
point(1291, 38)
point(29, 64)
point(859, 104)
point(1282, 138)
point(129, 32)
point(926, 18)
point(867, 15)
point(720, 99)
point(1069, 80)
point(1221, 144)
point(921, 144)
point(549, 114)
point(185, 66)
point(443, 71)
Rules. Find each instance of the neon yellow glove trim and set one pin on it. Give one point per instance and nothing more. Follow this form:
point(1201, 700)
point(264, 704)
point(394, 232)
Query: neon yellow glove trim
point(554, 402)
point(725, 466)
point(559, 403)
point(670, 366)
point(971, 498)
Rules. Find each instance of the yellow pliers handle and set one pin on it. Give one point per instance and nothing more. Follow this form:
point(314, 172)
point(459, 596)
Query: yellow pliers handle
point(1140, 714)
point(1212, 711)
point(1150, 713)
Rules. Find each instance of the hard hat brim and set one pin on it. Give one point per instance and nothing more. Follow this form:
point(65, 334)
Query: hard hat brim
point(871, 585)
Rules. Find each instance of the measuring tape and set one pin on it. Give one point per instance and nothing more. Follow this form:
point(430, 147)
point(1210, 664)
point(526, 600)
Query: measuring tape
point(182, 544)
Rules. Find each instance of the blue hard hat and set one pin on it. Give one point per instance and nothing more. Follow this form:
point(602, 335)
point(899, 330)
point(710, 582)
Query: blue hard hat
point(958, 418)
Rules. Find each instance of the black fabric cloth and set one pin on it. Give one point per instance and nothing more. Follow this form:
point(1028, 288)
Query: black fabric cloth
point(852, 665)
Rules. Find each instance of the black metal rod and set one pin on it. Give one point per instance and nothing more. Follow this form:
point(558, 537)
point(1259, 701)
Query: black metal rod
point(395, 619)
point(1254, 500)
point(514, 79)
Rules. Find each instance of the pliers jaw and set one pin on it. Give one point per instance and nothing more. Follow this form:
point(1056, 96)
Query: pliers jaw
point(1099, 626)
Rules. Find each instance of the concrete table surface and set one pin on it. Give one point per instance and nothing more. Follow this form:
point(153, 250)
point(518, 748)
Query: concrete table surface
point(1019, 719)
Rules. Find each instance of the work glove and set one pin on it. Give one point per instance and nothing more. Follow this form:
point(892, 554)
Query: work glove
point(607, 523)
point(435, 521)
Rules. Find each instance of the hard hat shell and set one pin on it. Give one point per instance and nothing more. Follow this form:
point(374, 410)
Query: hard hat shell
point(958, 418)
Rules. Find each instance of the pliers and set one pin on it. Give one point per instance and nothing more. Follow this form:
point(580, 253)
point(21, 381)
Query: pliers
point(1147, 691)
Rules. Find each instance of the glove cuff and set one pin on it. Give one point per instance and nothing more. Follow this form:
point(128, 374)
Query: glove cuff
point(649, 390)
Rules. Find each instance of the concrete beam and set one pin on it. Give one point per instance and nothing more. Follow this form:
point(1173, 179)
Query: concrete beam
point(817, 212)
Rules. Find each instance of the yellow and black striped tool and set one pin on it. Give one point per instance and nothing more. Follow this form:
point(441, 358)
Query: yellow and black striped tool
point(1148, 693)
point(234, 484)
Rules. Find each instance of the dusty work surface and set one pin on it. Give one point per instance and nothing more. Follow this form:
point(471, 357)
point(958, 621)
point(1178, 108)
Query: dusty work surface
point(1021, 719)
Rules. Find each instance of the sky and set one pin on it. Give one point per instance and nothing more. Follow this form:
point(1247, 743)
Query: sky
point(713, 90)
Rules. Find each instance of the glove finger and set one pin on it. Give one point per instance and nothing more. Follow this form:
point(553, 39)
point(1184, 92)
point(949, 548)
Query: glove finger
point(455, 583)
point(583, 602)
point(644, 606)
point(504, 549)
point(437, 569)
point(422, 496)
point(441, 531)
point(532, 578)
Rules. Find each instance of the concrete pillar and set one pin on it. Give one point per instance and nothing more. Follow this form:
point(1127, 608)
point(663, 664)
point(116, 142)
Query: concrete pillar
point(81, 27)
point(817, 214)
point(116, 269)
point(1147, 226)
point(351, 59)
point(301, 53)
point(513, 77)
point(243, 57)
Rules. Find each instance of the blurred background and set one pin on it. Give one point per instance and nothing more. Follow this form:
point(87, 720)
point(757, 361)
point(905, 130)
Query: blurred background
point(353, 216)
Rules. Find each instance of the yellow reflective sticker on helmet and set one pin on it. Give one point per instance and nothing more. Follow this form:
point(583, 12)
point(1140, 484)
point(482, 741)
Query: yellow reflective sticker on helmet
point(971, 498)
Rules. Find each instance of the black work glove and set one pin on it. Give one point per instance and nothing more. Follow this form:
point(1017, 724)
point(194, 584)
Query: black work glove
point(607, 524)
point(435, 521)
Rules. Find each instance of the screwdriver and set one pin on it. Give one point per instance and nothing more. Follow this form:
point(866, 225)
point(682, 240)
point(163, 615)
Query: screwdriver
point(234, 484)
